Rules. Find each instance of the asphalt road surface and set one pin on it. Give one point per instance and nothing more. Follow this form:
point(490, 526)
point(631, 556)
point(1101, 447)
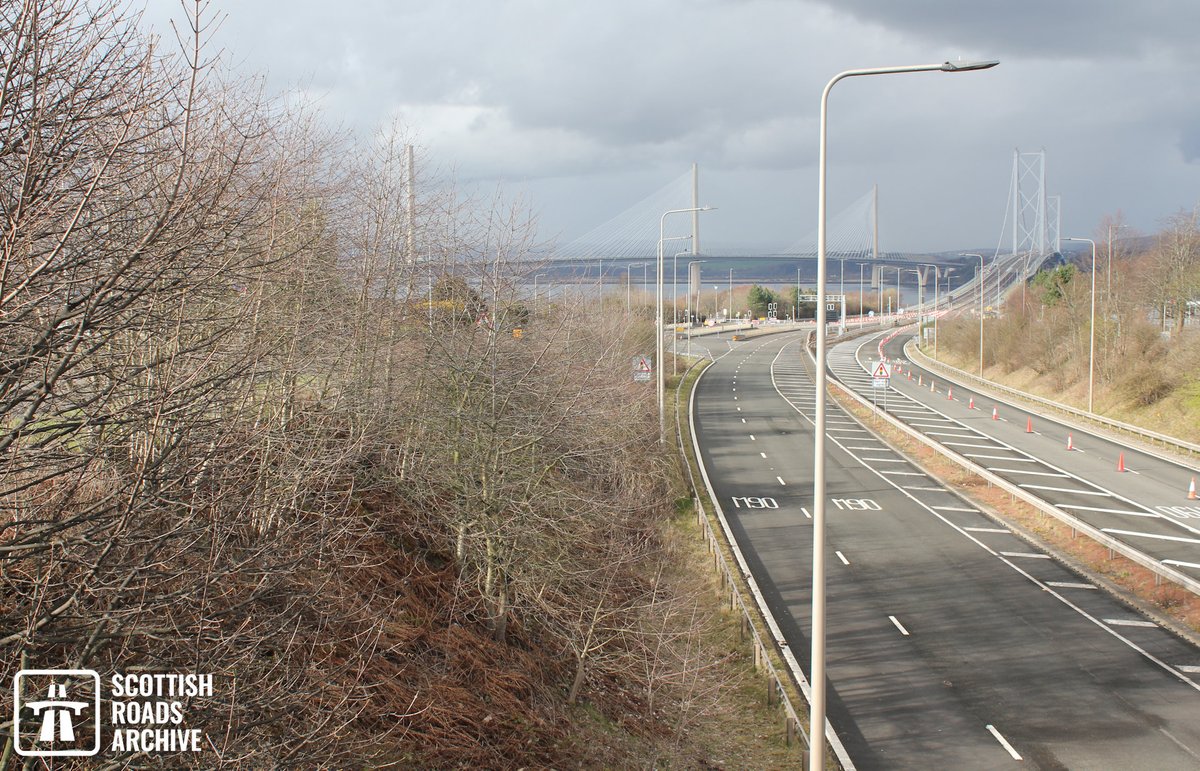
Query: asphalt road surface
point(952, 644)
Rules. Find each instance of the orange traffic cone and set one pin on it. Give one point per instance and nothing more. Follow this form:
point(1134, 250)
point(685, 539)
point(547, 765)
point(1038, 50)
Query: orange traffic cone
point(931, 388)
point(950, 394)
point(971, 404)
point(1070, 442)
point(1121, 462)
point(1192, 490)
point(920, 380)
point(995, 413)
point(1029, 425)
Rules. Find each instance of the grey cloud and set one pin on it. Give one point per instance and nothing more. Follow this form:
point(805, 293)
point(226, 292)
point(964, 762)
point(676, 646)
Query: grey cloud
point(1090, 29)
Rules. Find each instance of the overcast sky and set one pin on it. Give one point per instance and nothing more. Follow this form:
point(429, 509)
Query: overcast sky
point(584, 107)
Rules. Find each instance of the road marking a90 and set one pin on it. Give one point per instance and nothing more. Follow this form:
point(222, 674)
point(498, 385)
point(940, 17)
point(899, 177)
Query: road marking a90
point(1180, 512)
point(856, 504)
point(750, 502)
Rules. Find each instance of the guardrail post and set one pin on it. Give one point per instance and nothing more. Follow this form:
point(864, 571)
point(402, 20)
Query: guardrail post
point(791, 731)
point(772, 684)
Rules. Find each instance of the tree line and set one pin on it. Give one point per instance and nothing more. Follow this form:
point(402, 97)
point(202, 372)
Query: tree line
point(1147, 298)
point(263, 417)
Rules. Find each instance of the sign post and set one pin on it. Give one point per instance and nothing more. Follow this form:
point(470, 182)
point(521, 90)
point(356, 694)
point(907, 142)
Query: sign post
point(881, 378)
point(642, 368)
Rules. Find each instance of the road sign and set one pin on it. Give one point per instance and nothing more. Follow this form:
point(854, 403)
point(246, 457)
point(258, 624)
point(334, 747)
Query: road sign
point(642, 368)
point(881, 376)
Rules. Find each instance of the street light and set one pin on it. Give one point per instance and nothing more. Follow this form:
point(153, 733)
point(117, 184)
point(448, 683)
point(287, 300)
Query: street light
point(937, 274)
point(689, 304)
point(729, 298)
point(1091, 324)
point(658, 322)
point(1108, 289)
point(980, 256)
point(675, 307)
point(675, 281)
point(629, 280)
point(816, 758)
point(535, 294)
point(861, 311)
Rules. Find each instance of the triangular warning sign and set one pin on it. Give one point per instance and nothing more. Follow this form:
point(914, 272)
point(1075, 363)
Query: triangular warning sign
point(881, 370)
point(643, 364)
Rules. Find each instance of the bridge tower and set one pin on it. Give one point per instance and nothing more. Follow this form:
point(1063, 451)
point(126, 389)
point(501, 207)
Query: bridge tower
point(1029, 203)
point(1054, 223)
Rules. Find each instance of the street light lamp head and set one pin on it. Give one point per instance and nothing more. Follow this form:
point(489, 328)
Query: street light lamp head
point(969, 66)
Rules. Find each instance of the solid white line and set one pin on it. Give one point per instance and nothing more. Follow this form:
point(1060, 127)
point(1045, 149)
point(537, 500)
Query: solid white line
point(1069, 585)
point(1016, 567)
point(1106, 511)
point(903, 473)
point(1065, 490)
point(899, 626)
point(781, 480)
point(1130, 622)
point(885, 460)
point(1003, 742)
point(1182, 564)
point(987, 530)
point(953, 508)
point(965, 444)
point(959, 436)
point(1031, 473)
point(1027, 555)
point(842, 557)
point(1150, 535)
point(997, 457)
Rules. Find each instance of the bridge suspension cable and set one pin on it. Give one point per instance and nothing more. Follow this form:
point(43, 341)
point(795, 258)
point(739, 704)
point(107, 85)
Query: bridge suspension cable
point(633, 234)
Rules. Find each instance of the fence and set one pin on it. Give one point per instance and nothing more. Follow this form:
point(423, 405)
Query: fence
point(776, 693)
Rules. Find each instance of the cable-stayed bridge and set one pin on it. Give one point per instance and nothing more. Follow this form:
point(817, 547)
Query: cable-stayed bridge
point(606, 252)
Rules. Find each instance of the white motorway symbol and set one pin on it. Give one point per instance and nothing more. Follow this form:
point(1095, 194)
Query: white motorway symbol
point(751, 502)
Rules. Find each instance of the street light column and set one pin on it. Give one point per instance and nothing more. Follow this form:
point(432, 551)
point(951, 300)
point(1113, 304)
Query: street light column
point(981, 283)
point(1091, 325)
point(817, 706)
point(660, 351)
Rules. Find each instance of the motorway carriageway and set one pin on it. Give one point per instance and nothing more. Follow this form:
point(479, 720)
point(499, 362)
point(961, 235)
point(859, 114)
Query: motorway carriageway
point(1145, 507)
point(951, 642)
